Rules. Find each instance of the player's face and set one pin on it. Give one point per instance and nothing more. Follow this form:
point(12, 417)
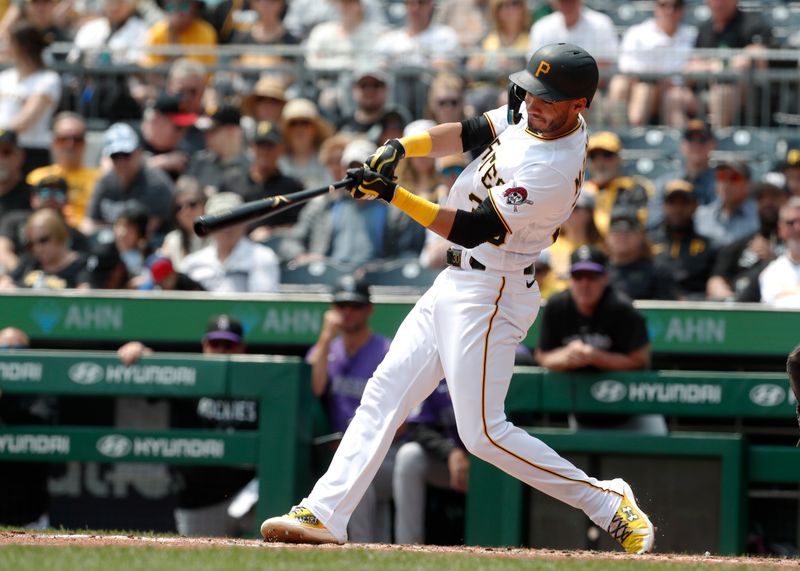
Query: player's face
point(587, 288)
point(552, 118)
point(354, 316)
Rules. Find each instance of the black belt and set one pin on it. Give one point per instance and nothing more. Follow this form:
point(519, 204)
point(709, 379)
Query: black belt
point(454, 259)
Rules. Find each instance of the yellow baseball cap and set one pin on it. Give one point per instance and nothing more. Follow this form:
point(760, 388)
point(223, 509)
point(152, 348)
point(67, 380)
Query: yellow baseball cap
point(605, 141)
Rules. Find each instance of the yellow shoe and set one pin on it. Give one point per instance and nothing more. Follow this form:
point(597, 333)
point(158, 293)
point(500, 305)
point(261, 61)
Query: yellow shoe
point(631, 526)
point(298, 526)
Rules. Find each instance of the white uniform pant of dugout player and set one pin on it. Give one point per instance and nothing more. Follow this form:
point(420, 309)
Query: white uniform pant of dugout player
point(465, 328)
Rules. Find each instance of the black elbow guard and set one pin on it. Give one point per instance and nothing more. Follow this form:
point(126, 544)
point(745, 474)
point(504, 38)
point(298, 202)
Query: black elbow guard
point(472, 229)
point(476, 132)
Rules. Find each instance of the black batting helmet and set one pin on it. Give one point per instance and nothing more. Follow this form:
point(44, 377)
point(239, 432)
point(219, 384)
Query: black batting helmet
point(559, 72)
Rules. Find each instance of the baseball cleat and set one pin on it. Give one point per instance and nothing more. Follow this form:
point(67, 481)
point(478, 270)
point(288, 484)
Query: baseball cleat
point(298, 526)
point(630, 526)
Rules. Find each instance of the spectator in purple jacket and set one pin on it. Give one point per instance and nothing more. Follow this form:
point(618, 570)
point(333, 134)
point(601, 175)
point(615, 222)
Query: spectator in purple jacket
point(342, 360)
point(433, 455)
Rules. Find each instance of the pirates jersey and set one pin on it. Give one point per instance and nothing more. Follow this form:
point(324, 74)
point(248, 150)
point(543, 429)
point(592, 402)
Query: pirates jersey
point(533, 183)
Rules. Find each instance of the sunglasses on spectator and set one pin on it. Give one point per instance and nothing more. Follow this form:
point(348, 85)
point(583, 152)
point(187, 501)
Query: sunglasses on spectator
point(668, 5)
point(510, 3)
point(370, 85)
point(601, 153)
point(51, 193)
point(452, 171)
point(350, 305)
point(77, 139)
point(221, 344)
point(120, 156)
point(190, 204)
point(40, 241)
point(178, 6)
point(418, 2)
point(728, 176)
point(448, 102)
point(300, 122)
point(793, 222)
point(591, 276)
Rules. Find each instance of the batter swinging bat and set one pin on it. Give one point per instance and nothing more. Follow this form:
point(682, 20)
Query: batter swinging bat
point(258, 209)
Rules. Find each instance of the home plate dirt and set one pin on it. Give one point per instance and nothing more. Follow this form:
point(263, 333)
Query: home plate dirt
point(25, 537)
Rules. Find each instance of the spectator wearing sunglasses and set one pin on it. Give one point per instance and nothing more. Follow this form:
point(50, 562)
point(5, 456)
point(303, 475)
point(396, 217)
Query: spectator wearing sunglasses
point(607, 183)
point(188, 203)
point(733, 214)
point(205, 493)
point(129, 179)
point(50, 192)
point(50, 262)
point(68, 150)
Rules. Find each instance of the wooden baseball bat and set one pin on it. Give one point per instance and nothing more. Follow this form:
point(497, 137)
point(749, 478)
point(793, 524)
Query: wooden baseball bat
point(259, 209)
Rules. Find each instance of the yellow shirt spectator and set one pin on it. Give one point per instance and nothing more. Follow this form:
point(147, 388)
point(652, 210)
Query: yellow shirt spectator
point(80, 182)
point(198, 33)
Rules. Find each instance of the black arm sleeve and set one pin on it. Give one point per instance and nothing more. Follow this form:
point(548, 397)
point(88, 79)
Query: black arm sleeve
point(476, 132)
point(471, 229)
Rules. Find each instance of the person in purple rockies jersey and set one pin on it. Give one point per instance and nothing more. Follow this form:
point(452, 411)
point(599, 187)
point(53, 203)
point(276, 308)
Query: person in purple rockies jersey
point(433, 454)
point(342, 360)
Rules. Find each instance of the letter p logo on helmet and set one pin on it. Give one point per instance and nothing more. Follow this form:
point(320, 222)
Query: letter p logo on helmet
point(544, 67)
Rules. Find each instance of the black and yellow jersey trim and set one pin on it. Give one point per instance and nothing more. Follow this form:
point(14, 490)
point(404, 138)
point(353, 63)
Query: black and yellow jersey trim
point(499, 214)
point(567, 134)
point(491, 126)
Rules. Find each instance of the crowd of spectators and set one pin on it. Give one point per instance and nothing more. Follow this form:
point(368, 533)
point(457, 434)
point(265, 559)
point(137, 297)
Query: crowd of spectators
point(145, 115)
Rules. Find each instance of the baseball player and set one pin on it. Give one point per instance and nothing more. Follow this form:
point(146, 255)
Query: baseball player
point(502, 211)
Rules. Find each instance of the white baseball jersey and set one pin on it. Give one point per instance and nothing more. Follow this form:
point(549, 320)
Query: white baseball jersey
point(533, 183)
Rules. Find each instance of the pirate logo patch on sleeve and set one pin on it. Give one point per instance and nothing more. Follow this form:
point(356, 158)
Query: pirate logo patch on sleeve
point(516, 197)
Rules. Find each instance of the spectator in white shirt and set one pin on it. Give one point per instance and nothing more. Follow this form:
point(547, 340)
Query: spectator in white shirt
point(780, 280)
point(232, 262)
point(116, 35)
point(660, 45)
point(420, 42)
point(573, 23)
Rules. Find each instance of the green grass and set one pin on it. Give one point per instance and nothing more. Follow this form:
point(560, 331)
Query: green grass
point(29, 558)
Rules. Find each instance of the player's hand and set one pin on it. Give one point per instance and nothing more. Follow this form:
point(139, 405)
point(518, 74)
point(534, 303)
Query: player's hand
point(132, 352)
point(458, 466)
point(369, 185)
point(386, 158)
point(331, 324)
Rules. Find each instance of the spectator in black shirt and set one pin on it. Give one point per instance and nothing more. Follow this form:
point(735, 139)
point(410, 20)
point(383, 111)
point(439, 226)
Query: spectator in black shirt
point(633, 270)
point(49, 192)
point(265, 179)
point(164, 128)
point(205, 493)
point(370, 95)
point(224, 155)
point(676, 245)
point(592, 327)
point(737, 266)
point(14, 191)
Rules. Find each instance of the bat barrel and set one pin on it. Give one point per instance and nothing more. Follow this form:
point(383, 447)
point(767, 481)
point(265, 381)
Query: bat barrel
point(258, 209)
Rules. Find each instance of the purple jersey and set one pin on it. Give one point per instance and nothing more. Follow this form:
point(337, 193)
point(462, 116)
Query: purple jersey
point(437, 412)
point(347, 377)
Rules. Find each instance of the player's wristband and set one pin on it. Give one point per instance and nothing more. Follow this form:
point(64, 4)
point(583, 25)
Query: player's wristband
point(419, 209)
point(418, 145)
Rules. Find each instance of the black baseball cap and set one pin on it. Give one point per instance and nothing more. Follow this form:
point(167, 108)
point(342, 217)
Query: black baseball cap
point(102, 261)
point(175, 109)
point(624, 218)
point(588, 259)
point(225, 328)
point(7, 136)
point(51, 183)
point(559, 72)
point(224, 115)
point(267, 132)
point(350, 290)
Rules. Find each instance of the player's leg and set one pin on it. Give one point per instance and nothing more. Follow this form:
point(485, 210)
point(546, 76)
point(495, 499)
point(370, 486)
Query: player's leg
point(414, 470)
point(490, 316)
point(407, 375)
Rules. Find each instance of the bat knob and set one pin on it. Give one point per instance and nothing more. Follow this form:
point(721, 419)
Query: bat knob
point(200, 227)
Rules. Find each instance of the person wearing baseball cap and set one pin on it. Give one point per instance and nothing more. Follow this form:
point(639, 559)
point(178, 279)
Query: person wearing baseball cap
point(676, 244)
point(696, 145)
point(592, 326)
point(265, 178)
point(609, 185)
point(164, 127)
point(733, 214)
point(342, 360)
point(14, 190)
point(225, 155)
point(633, 270)
point(206, 494)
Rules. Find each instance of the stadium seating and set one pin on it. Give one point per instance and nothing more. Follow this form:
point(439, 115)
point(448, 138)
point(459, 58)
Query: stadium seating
point(404, 273)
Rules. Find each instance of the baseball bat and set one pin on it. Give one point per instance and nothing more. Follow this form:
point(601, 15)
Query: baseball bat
point(259, 209)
